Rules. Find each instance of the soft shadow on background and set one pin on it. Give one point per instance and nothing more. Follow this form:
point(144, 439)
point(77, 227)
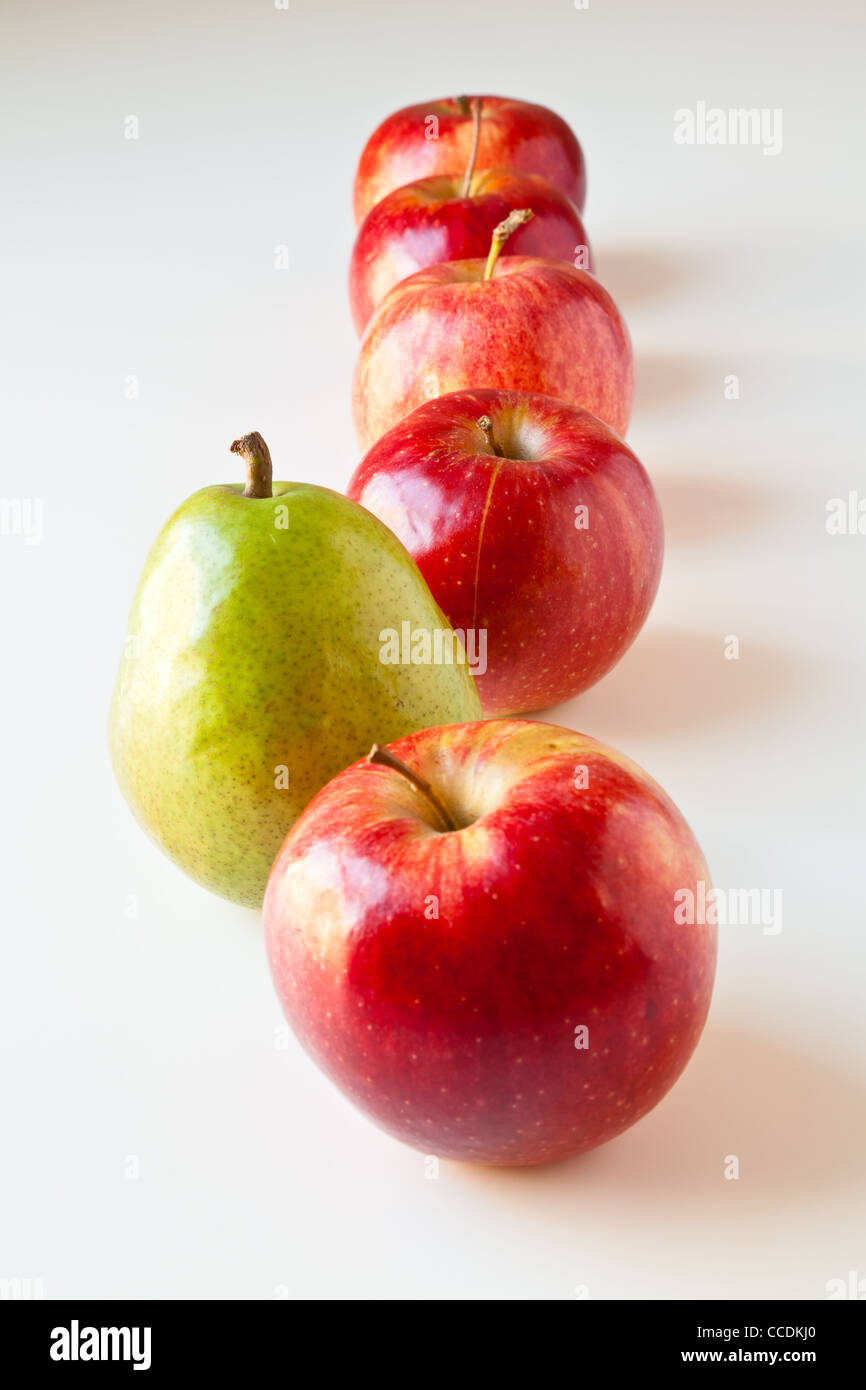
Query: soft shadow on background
point(698, 509)
point(664, 380)
point(795, 1121)
point(636, 275)
point(675, 679)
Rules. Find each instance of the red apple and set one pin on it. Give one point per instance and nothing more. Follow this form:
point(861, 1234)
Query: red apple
point(436, 137)
point(432, 221)
point(524, 323)
point(479, 943)
point(536, 528)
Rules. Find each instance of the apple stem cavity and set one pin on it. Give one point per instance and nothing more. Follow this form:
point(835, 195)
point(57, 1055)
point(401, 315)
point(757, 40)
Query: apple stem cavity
point(384, 758)
point(470, 167)
point(257, 457)
point(502, 233)
point(485, 424)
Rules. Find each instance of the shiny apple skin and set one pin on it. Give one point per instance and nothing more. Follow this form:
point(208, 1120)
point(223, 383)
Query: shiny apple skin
point(496, 540)
point(538, 325)
point(515, 135)
point(428, 222)
point(457, 1033)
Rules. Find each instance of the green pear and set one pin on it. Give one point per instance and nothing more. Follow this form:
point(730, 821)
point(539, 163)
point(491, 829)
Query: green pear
point(256, 668)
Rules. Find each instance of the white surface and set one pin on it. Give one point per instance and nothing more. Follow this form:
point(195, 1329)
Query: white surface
point(156, 1037)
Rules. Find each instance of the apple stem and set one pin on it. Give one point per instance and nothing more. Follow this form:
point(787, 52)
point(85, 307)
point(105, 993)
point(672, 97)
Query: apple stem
point(485, 424)
point(384, 758)
point(470, 167)
point(502, 233)
point(463, 105)
point(256, 455)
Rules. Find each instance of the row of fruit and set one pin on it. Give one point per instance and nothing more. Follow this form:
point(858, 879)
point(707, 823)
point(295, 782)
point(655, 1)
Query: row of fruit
point(481, 929)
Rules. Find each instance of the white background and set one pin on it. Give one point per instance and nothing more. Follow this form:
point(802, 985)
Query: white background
point(155, 1038)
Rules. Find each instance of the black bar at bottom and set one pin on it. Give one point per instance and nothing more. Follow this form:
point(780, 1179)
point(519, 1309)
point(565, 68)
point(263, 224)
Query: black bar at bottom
point(66, 1336)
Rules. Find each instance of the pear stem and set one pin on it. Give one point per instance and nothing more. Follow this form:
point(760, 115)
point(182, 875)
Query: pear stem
point(470, 167)
point(384, 758)
point(485, 424)
point(256, 455)
point(502, 233)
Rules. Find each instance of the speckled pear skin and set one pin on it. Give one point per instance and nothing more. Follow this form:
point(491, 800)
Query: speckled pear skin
point(253, 646)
